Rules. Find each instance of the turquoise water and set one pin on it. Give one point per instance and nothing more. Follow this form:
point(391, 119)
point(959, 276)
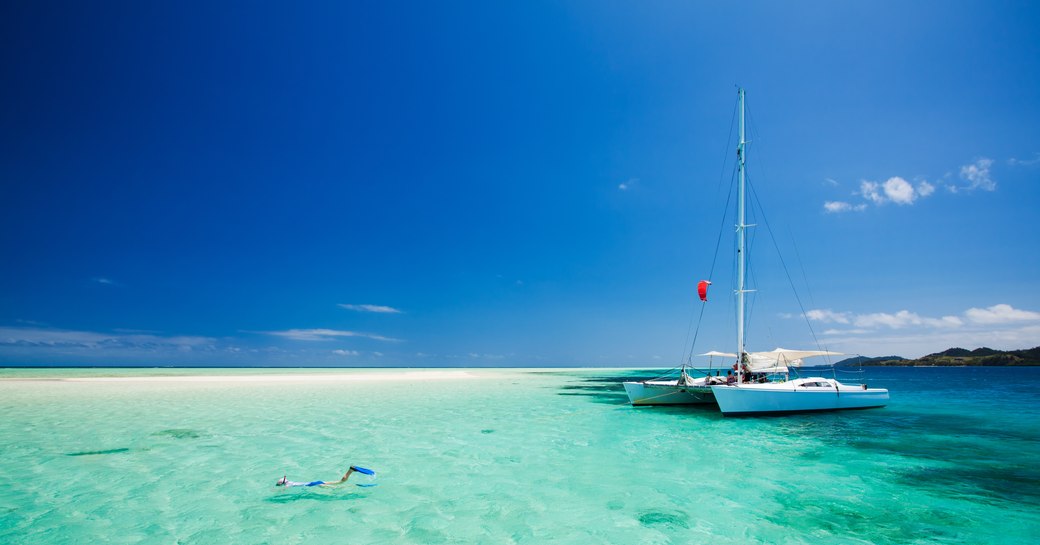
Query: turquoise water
point(513, 456)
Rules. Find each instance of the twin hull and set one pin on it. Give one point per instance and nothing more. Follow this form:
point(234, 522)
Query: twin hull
point(668, 393)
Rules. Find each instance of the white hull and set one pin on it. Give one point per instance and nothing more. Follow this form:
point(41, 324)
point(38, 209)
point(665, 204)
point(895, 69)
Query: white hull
point(668, 393)
point(800, 395)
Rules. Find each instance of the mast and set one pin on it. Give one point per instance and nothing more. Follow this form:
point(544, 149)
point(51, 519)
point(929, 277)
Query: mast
point(741, 228)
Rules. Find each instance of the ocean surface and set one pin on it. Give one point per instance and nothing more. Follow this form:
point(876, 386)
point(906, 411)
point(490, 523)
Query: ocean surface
point(510, 456)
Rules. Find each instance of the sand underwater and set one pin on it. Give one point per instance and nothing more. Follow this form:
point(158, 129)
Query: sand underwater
point(507, 456)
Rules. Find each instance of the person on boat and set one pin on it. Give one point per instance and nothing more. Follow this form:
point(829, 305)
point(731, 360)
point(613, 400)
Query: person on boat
point(286, 482)
point(730, 379)
point(744, 369)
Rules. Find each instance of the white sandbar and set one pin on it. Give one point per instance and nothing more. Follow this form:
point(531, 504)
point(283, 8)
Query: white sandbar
point(388, 376)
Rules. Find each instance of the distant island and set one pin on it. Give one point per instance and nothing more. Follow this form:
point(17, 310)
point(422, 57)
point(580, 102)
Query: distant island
point(954, 357)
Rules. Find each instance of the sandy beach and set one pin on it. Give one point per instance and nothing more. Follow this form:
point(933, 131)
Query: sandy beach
point(309, 378)
point(388, 376)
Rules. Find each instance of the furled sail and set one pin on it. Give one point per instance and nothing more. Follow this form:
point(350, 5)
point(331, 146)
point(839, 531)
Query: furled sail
point(778, 360)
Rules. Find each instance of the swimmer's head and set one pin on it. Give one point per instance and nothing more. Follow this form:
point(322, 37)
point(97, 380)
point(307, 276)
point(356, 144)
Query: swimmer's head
point(282, 481)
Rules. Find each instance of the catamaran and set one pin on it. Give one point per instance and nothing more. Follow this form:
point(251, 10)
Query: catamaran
point(762, 381)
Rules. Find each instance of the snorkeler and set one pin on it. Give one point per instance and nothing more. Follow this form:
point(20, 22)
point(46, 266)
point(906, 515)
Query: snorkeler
point(286, 482)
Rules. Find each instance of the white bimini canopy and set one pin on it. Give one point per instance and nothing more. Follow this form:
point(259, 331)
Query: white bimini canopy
point(714, 353)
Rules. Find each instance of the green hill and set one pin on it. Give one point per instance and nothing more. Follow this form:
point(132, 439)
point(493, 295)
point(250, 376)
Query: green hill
point(864, 360)
point(956, 357)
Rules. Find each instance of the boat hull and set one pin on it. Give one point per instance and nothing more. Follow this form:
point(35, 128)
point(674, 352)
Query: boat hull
point(750, 399)
point(649, 393)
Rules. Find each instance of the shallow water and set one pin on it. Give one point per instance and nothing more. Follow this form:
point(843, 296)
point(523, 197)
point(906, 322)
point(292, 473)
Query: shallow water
point(514, 457)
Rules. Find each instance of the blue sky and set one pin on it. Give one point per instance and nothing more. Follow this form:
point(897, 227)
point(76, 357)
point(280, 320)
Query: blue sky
point(529, 183)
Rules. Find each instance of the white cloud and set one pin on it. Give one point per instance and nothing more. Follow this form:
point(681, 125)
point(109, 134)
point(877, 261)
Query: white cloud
point(847, 332)
point(835, 207)
point(871, 192)
point(346, 352)
point(867, 322)
point(1000, 314)
point(104, 281)
point(475, 355)
point(914, 344)
point(380, 309)
point(827, 316)
point(1025, 162)
point(324, 335)
point(629, 184)
point(34, 336)
point(895, 190)
point(831, 181)
point(902, 319)
point(977, 175)
point(899, 191)
point(30, 322)
point(999, 326)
